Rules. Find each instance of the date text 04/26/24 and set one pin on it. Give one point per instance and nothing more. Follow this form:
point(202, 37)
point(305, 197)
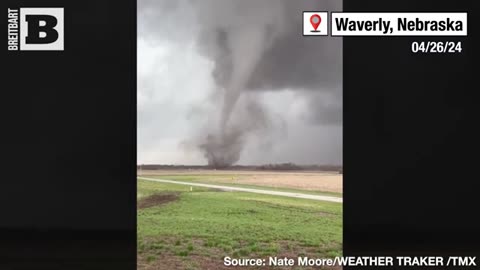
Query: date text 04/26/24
point(437, 47)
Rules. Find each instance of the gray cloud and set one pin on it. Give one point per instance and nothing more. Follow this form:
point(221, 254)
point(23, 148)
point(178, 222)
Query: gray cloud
point(254, 46)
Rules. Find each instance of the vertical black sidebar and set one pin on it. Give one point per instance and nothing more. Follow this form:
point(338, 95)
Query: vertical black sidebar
point(411, 141)
point(68, 142)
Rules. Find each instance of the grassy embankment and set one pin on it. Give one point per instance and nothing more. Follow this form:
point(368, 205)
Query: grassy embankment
point(196, 229)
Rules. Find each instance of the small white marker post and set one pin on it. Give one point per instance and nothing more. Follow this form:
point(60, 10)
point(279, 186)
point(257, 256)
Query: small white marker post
point(191, 188)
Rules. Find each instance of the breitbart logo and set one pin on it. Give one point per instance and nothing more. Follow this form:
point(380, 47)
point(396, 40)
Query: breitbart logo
point(35, 29)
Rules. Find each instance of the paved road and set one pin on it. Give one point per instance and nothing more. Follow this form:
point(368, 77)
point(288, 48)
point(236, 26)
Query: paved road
point(269, 192)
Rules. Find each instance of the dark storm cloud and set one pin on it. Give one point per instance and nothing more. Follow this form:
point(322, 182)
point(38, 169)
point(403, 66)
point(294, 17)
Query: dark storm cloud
point(288, 60)
point(255, 45)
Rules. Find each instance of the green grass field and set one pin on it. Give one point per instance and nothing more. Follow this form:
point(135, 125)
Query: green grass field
point(200, 227)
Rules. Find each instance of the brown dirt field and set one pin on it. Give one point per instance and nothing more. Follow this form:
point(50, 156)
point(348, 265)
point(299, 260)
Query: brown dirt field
point(306, 180)
point(156, 199)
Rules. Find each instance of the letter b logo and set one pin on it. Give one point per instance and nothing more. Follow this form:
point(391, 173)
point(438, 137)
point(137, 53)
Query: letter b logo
point(41, 29)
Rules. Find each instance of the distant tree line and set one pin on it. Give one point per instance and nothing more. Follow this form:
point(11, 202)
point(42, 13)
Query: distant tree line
point(266, 167)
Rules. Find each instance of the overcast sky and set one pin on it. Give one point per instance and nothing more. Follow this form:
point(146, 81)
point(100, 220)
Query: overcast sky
point(178, 94)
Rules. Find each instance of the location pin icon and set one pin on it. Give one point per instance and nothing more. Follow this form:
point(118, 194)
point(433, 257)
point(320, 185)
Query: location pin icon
point(315, 21)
